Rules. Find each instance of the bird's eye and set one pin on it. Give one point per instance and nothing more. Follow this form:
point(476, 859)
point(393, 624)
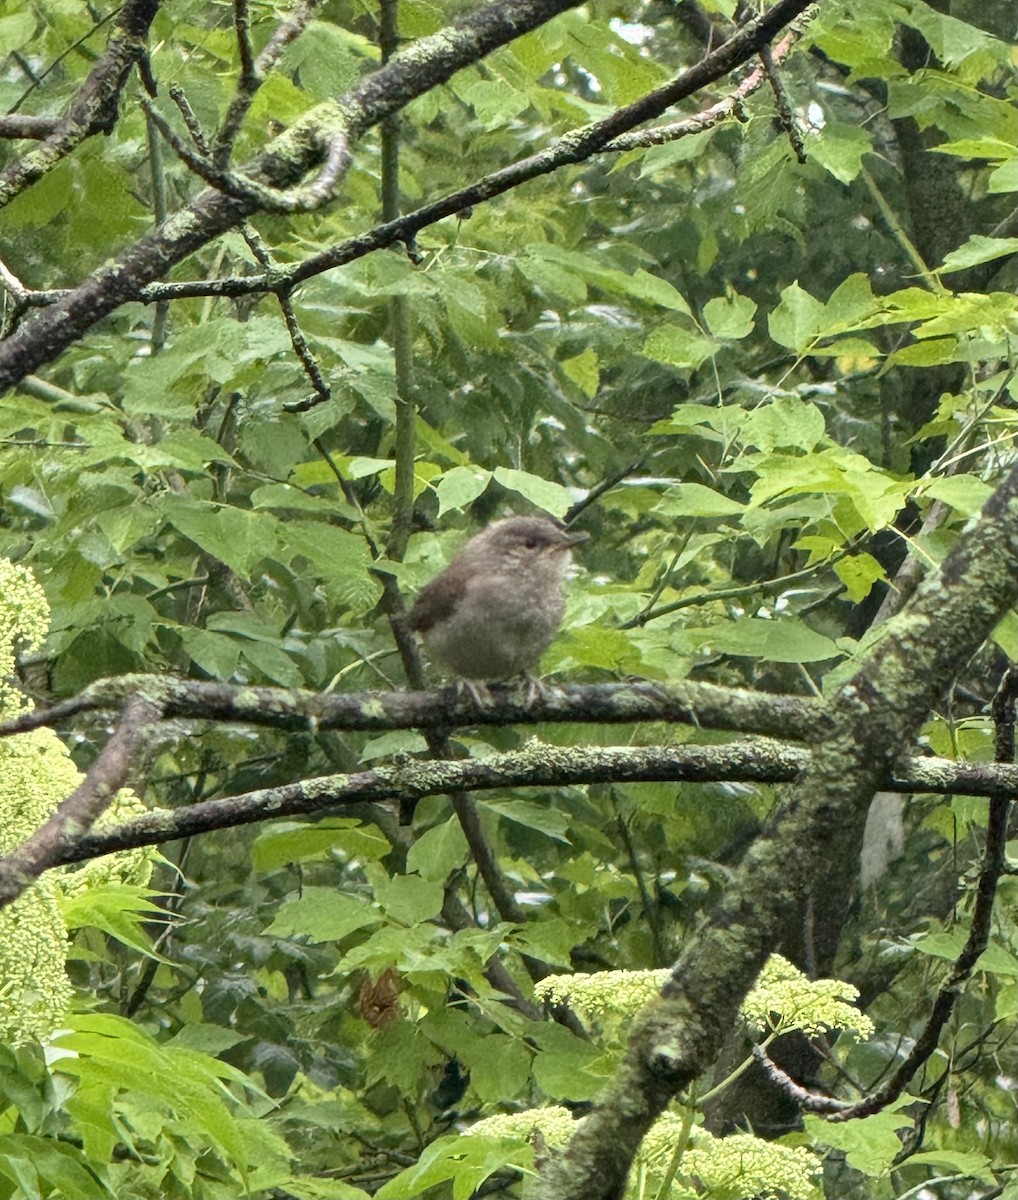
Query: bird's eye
point(530, 543)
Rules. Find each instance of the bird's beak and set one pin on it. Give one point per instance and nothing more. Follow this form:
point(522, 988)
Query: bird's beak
point(573, 537)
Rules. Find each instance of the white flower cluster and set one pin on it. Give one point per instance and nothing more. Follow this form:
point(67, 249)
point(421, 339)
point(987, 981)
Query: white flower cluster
point(743, 1165)
point(35, 992)
point(812, 1005)
point(554, 1123)
point(604, 996)
point(24, 622)
point(38, 774)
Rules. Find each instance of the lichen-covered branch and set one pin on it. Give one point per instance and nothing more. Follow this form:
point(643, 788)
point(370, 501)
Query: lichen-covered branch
point(877, 712)
point(796, 718)
point(301, 148)
point(539, 765)
point(95, 107)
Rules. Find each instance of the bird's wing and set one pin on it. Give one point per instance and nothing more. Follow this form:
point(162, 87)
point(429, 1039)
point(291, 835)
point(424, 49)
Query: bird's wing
point(438, 599)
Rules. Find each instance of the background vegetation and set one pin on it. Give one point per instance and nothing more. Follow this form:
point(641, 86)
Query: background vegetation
point(755, 334)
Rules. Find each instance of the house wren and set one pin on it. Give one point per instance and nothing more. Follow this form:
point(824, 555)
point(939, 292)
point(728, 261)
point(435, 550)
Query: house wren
point(496, 607)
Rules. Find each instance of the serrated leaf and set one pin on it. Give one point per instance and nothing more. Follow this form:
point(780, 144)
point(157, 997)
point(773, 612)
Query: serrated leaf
point(544, 493)
point(695, 500)
point(544, 819)
point(839, 149)
point(459, 487)
point(119, 910)
point(232, 536)
point(730, 317)
point(677, 347)
point(323, 915)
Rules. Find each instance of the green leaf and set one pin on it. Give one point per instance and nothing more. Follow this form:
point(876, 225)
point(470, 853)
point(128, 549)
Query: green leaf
point(931, 353)
point(500, 1070)
point(844, 477)
point(871, 1144)
point(966, 494)
point(786, 422)
point(459, 487)
point(438, 851)
point(958, 1162)
point(552, 278)
point(464, 1160)
point(543, 818)
point(552, 497)
point(16, 30)
point(859, 572)
point(797, 321)
point(217, 655)
point(652, 289)
point(675, 347)
point(550, 939)
point(28, 1161)
point(783, 640)
point(206, 1038)
point(323, 915)
point(583, 371)
point(730, 317)
point(230, 535)
point(978, 249)
point(341, 558)
point(118, 909)
point(397, 741)
point(1004, 179)
point(839, 149)
point(292, 842)
point(695, 500)
point(272, 662)
point(566, 1067)
point(409, 899)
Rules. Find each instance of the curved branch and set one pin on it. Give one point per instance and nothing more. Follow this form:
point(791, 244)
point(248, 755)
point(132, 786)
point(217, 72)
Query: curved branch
point(94, 109)
point(75, 817)
point(285, 161)
point(429, 62)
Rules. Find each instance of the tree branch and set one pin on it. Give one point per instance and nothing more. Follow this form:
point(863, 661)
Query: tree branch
point(705, 705)
point(94, 108)
point(429, 62)
point(751, 761)
point(882, 707)
point(76, 815)
point(285, 161)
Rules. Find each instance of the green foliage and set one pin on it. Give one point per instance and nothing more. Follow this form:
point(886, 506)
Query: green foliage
point(793, 373)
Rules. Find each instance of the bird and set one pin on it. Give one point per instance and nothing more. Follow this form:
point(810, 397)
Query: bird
point(498, 605)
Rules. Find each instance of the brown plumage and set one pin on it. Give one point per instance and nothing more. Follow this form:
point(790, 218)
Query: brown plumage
point(497, 606)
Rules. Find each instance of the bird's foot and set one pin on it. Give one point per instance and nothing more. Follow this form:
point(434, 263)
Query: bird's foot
point(537, 690)
point(474, 689)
